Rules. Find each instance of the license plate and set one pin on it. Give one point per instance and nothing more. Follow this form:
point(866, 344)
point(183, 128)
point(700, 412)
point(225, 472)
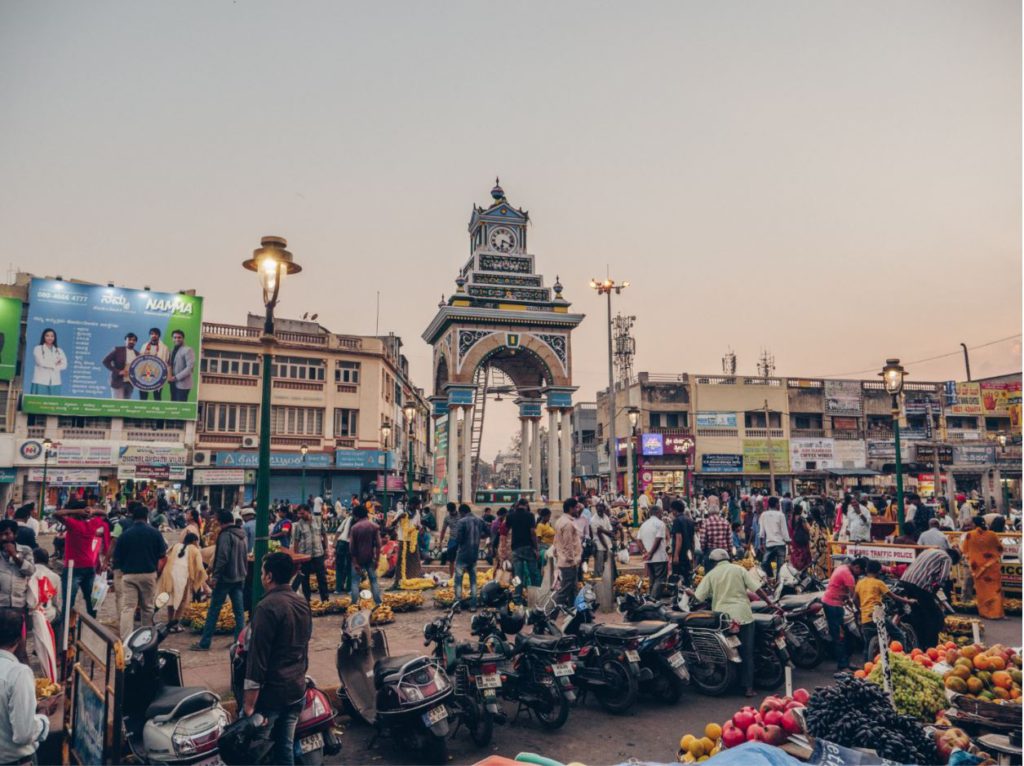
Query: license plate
point(311, 743)
point(821, 624)
point(562, 669)
point(632, 655)
point(435, 715)
point(676, 660)
point(211, 761)
point(489, 681)
point(732, 641)
point(780, 642)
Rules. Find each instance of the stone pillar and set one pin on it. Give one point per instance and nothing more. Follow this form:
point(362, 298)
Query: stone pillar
point(453, 454)
point(535, 468)
point(467, 455)
point(566, 460)
point(553, 488)
point(524, 453)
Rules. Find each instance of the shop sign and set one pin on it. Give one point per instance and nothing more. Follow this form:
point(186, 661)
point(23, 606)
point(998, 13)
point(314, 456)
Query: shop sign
point(974, 454)
point(756, 455)
point(886, 451)
point(966, 399)
point(8, 475)
point(842, 397)
point(81, 454)
point(998, 397)
point(915, 434)
point(66, 477)
point(395, 483)
point(920, 402)
point(652, 444)
point(439, 490)
point(845, 424)
point(155, 472)
point(277, 460)
point(807, 450)
point(716, 420)
point(1010, 576)
point(1009, 459)
point(720, 463)
point(850, 453)
point(363, 459)
point(679, 444)
point(925, 453)
point(886, 554)
point(1011, 547)
point(207, 477)
point(144, 454)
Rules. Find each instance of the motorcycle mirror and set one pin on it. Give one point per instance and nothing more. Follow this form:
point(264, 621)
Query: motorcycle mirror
point(364, 595)
point(162, 600)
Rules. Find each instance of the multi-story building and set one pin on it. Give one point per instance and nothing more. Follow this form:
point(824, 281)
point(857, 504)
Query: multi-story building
point(726, 432)
point(331, 395)
point(584, 446)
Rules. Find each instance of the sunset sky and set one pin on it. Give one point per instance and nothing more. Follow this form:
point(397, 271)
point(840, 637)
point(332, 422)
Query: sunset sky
point(837, 182)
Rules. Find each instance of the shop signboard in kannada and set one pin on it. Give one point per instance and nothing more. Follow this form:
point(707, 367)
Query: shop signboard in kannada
point(974, 454)
point(925, 454)
point(920, 402)
point(1009, 459)
point(206, 477)
point(145, 454)
point(966, 399)
point(679, 444)
point(10, 333)
point(721, 463)
point(66, 477)
point(152, 472)
point(885, 450)
point(756, 455)
point(653, 445)
point(102, 351)
point(277, 460)
point(364, 459)
point(79, 453)
point(843, 397)
point(8, 475)
point(716, 420)
point(804, 451)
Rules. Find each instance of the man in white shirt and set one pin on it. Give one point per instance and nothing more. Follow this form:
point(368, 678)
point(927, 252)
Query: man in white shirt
point(601, 532)
point(21, 728)
point(945, 522)
point(653, 537)
point(774, 533)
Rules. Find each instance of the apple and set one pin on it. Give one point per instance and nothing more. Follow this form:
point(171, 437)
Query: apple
point(774, 735)
point(732, 735)
point(773, 718)
point(801, 696)
point(790, 723)
point(743, 719)
point(755, 733)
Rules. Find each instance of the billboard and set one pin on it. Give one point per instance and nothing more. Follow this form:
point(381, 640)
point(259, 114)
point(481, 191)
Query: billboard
point(820, 452)
point(111, 352)
point(439, 492)
point(716, 420)
point(653, 444)
point(10, 332)
point(966, 399)
point(721, 463)
point(998, 397)
point(842, 397)
point(756, 455)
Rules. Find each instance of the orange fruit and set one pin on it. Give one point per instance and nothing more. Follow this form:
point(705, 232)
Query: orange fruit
point(895, 646)
point(708, 745)
point(859, 674)
point(975, 685)
point(868, 667)
point(1002, 679)
point(697, 748)
point(713, 732)
point(981, 662)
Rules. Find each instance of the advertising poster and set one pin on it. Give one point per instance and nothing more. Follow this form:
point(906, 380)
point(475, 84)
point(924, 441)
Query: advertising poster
point(819, 452)
point(653, 444)
point(10, 332)
point(716, 420)
point(439, 493)
point(721, 463)
point(102, 351)
point(756, 452)
point(966, 400)
point(842, 397)
point(998, 397)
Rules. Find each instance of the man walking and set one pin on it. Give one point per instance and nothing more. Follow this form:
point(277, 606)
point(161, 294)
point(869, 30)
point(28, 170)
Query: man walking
point(230, 559)
point(22, 730)
point(342, 559)
point(275, 672)
point(601, 533)
point(86, 542)
point(364, 548)
point(310, 539)
point(775, 538)
point(683, 532)
point(140, 554)
point(568, 551)
point(652, 537)
point(522, 526)
point(715, 533)
point(467, 532)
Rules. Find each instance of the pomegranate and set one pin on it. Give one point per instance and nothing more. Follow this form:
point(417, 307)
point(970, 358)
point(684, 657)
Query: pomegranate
point(732, 735)
point(774, 735)
point(773, 718)
point(790, 723)
point(801, 696)
point(755, 733)
point(743, 719)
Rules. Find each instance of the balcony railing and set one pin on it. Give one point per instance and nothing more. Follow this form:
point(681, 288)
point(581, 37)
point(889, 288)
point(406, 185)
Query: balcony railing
point(294, 441)
point(228, 380)
point(347, 388)
point(721, 433)
point(217, 438)
point(809, 433)
point(299, 385)
point(846, 435)
point(84, 433)
point(36, 432)
point(154, 436)
point(763, 433)
point(879, 433)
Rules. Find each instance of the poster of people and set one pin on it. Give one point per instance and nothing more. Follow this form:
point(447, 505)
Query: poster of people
point(92, 350)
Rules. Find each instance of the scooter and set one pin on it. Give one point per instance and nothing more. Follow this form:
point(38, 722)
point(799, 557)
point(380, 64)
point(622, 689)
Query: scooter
point(166, 722)
point(805, 627)
point(405, 697)
point(315, 734)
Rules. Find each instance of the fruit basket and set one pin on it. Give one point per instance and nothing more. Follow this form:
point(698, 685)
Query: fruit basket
point(1000, 713)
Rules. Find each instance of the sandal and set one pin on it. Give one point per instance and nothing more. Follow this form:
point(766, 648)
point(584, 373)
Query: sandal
point(175, 629)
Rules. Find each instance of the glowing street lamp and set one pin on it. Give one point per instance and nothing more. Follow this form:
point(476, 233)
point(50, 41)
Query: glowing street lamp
point(633, 413)
point(607, 287)
point(303, 450)
point(409, 410)
point(892, 377)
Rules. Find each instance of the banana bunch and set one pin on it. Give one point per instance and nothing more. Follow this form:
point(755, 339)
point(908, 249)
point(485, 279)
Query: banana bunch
point(382, 615)
point(403, 602)
point(748, 562)
point(332, 579)
point(417, 583)
point(962, 626)
point(320, 608)
point(945, 637)
point(627, 583)
point(364, 603)
point(444, 598)
point(1012, 605)
point(46, 688)
point(225, 620)
point(965, 606)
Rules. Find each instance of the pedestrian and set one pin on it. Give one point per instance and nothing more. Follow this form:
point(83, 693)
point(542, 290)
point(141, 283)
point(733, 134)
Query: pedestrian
point(858, 522)
point(342, 559)
point(467, 532)
point(140, 554)
point(26, 534)
point(715, 532)
point(310, 539)
point(601, 534)
point(282, 529)
point(774, 538)
point(499, 555)
point(22, 730)
point(568, 548)
point(868, 593)
point(683, 533)
point(409, 523)
point(545, 534)
point(933, 536)
point(227, 578)
point(275, 671)
point(451, 519)
point(727, 585)
point(653, 536)
point(364, 548)
point(522, 528)
point(86, 542)
point(984, 552)
point(182, 576)
point(249, 527)
point(838, 595)
point(800, 540)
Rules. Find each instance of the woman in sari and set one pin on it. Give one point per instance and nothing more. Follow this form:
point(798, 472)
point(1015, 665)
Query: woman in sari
point(984, 554)
point(819, 545)
point(182, 576)
point(800, 540)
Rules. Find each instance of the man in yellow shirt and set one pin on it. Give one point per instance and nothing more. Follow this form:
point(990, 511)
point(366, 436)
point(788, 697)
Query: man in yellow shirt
point(868, 594)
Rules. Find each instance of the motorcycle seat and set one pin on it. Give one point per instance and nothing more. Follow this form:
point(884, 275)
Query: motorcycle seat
point(391, 665)
point(645, 627)
point(703, 620)
point(764, 621)
point(544, 643)
point(187, 699)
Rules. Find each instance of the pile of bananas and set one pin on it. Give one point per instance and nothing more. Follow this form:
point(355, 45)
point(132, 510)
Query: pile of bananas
point(965, 606)
point(962, 626)
point(627, 583)
point(444, 598)
point(417, 583)
point(332, 579)
point(698, 575)
point(197, 613)
point(403, 602)
point(45, 688)
point(748, 562)
point(958, 640)
point(1011, 605)
point(382, 615)
point(333, 606)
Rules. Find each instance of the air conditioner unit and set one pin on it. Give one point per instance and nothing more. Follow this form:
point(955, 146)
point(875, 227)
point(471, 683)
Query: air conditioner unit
point(251, 442)
point(201, 457)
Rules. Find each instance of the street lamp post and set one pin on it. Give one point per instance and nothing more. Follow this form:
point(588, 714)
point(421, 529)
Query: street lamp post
point(634, 418)
point(607, 287)
point(1002, 484)
point(385, 432)
point(410, 413)
point(892, 376)
point(304, 449)
point(271, 262)
point(47, 445)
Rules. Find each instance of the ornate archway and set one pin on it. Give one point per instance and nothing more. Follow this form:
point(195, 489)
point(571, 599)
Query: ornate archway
point(502, 317)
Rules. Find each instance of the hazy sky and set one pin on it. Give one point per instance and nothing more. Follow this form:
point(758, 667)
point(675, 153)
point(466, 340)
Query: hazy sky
point(835, 181)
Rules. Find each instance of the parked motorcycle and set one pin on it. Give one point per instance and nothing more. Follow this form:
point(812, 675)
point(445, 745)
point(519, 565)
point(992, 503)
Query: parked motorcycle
point(793, 581)
point(897, 625)
point(474, 672)
point(405, 697)
point(315, 734)
point(166, 722)
point(805, 626)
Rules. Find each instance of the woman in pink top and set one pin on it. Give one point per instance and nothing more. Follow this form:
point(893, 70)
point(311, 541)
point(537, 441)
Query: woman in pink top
point(837, 594)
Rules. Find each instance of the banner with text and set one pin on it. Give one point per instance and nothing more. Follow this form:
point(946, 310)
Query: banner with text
point(808, 454)
point(761, 456)
point(842, 397)
point(10, 334)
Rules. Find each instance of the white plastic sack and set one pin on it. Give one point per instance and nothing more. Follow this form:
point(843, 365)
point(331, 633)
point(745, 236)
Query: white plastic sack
point(622, 556)
point(100, 586)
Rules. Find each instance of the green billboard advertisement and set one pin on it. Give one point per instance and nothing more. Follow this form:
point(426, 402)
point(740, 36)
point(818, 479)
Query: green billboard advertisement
point(10, 332)
point(111, 352)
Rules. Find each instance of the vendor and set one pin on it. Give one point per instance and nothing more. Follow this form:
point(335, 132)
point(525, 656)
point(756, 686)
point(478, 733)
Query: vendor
point(923, 581)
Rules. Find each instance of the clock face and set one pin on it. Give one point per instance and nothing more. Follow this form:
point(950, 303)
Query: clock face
point(503, 240)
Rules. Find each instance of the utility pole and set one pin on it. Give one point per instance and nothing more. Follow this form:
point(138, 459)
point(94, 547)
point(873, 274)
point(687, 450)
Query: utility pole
point(605, 287)
point(771, 456)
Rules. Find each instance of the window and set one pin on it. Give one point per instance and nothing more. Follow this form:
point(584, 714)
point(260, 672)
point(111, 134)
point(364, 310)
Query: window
point(5, 391)
point(218, 417)
point(346, 422)
point(387, 385)
point(347, 372)
point(156, 425)
point(807, 421)
point(668, 419)
point(67, 421)
point(298, 368)
point(230, 363)
point(296, 421)
point(962, 423)
point(755, 419)
point(36, 420)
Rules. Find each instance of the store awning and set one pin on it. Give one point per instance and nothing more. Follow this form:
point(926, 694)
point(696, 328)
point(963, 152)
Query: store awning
point(854, 472)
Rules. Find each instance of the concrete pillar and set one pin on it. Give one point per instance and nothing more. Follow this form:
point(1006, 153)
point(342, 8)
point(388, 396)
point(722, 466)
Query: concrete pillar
point(467, 455)
point(524, 453)
point(566, 460)
point(553, 488)
point(535, 468)
point(453, 454)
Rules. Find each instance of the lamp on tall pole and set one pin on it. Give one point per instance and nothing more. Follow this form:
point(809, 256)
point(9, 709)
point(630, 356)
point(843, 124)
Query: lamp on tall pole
point(47, 446)
point(271, 262)
point(634, 418)
point(1005, 490)
point(385, 432)
point(607, 287)
point(410, 413)
point(892, 376)
point(304, 449)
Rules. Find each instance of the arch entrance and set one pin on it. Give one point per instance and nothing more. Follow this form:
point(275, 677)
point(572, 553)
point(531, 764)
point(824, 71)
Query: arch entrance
point(502, 332)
